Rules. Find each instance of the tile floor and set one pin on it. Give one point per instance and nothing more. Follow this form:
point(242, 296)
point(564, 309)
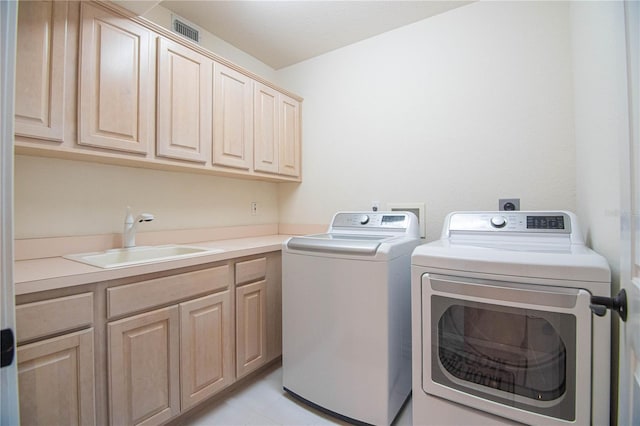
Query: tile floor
point(263, 402)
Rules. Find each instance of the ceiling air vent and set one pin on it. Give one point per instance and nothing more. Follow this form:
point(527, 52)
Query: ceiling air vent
point(185, 28)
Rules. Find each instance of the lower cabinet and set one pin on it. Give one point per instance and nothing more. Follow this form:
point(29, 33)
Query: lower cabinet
point(258, 312)
point(206, 347)
point(144, 368)
point(251, 327)
point(56, 381)
point(141, 352)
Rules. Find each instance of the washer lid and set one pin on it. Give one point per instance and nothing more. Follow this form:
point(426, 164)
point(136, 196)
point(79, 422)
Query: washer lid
point(338, 243)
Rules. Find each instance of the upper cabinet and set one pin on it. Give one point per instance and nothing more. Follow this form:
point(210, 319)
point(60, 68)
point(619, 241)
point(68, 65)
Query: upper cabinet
point(96, 83)
point(289, 136)
point(115, 108)
point(276, 132)
point(232, 118)
point(40, 69)
point(184, 102)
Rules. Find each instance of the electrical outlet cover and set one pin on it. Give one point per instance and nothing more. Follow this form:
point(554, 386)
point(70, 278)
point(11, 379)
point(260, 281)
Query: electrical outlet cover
point(508, 204)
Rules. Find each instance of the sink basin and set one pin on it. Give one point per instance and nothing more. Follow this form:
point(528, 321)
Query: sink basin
point(138, 255)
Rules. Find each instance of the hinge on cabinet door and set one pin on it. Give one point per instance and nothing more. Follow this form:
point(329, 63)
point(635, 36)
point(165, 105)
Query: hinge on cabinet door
point(7, 347)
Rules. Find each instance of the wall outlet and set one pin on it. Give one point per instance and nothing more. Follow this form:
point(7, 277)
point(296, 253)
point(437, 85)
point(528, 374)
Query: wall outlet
point(508, 204)
point(254, 208)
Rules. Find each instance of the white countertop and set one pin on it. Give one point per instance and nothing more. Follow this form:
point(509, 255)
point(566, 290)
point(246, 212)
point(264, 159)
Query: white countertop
point(36, 275)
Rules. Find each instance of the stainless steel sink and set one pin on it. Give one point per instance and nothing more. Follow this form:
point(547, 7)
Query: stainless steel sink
point(138, 255)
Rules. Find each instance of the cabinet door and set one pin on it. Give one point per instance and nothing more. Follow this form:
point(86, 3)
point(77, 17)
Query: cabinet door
point(115, 82)
point(56, 381)
point(232, 118)
point(184, 102)
point(251, 327)
point(206, 345)
point(144, 368)
point(289, 136)
point(266, 129)
point(40, 69)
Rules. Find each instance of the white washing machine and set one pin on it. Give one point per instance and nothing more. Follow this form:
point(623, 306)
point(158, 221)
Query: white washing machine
point(346, 321)
point(502, 330)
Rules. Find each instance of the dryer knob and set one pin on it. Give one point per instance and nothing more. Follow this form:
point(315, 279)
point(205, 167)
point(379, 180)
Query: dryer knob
point(498, 221)
point(364, 219)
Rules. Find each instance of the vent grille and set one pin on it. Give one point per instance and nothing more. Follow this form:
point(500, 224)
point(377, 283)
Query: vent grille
point(188, 31)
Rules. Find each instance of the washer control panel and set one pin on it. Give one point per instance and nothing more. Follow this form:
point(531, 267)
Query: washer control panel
point(520, 222)
point(367, 220)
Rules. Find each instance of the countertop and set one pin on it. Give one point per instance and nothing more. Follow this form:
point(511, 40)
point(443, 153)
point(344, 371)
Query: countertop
point(57, 272)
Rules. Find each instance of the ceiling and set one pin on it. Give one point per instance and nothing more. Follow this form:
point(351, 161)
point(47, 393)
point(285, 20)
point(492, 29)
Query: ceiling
point(282, 33)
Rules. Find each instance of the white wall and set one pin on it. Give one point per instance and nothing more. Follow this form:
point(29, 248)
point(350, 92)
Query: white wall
point(601, 120)
point(63, 198)
point(454, 111)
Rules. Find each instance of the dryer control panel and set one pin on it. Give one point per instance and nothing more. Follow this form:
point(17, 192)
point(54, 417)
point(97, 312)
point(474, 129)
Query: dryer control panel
point(518, 222)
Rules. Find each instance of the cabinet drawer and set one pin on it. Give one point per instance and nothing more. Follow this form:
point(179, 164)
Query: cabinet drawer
point(251, 270)
point(48, 317)
point(137, 297)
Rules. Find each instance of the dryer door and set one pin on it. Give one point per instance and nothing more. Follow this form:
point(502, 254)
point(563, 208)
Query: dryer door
point(514, 350)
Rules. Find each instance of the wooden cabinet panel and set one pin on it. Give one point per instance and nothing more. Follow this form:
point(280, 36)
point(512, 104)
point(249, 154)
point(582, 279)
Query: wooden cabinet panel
point(206, 342)
point(115, 82)
point(41, 319)
point(40, 69)
point(289, 163)
point(148, 294)
point(184, 102)
point(266, 130)
point(276, 132)
point(251, 327)
point(251, 270)
point(56, 381)
point(232, 118)
point(144, 368)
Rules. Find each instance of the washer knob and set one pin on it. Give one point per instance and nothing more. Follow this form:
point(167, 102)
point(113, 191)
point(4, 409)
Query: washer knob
point(364, 219)
point(498, 221)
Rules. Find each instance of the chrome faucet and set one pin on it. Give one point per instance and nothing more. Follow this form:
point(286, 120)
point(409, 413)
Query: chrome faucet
point(130, 225)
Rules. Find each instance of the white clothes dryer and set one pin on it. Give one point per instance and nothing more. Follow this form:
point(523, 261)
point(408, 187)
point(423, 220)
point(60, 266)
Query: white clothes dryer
point(346, 321)
point(502, 327)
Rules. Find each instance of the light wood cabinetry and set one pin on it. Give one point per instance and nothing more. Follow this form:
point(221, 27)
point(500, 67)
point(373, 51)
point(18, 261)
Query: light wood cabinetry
point(266, 128)
point(40, 69)
point(144, 368)
point(56, 381)
point(143, 350)
point(258, 312)
point(184, 102)
point(166, 360)
point(232, 118)
point(207, 346)
point(86, 90)
point(56, 372)
point(116, 76)
point(276, 132)
point(251, 327)
point(289, 136)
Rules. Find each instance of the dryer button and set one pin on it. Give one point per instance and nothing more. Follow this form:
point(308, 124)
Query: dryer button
point(498, 221)
point(364, 219)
